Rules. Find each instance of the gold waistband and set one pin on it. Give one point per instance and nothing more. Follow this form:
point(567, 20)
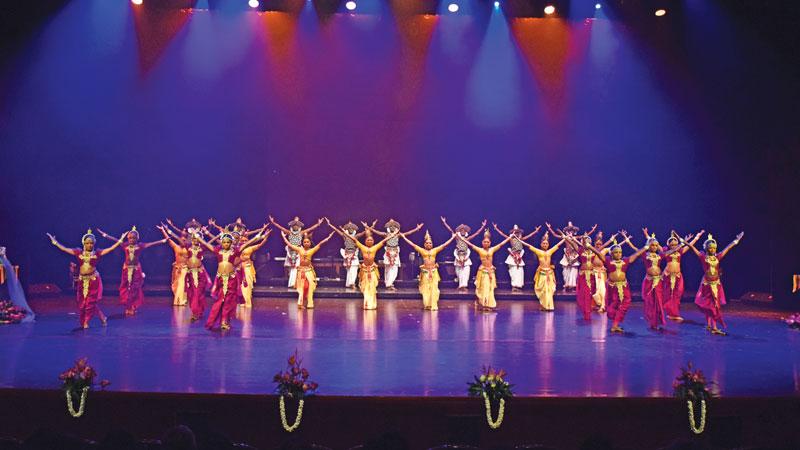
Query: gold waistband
point(618, 283)
point(89, 277)
point(710, 283)
point(653, 277)
point(196, 269)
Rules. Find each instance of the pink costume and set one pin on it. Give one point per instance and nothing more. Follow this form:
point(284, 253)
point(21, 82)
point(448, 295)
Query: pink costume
point(131, 294)
point(583, 289)
point(89, 289)
point(619, 293)
point(227, 290)
point(673, 288)
point(652, 292)
point(711, 296)
point(197, 281)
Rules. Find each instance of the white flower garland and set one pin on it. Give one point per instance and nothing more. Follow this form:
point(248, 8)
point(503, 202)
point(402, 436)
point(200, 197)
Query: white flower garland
point(494, 424)
point(692, 424)
point(296, 423)
point(82, 406)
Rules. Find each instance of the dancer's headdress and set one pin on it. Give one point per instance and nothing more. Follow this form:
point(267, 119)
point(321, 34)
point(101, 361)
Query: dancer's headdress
point(134, 231)
point(463, 228)
point(487, 234)
point(599, 236)
point(709, 241)
point(615, 245)
point(428, 237)
point(236, 235)
point(546, 237)
point(89, 236)
point(570, 228)
point(392, 224)
point(227, 236)
point(368, 234)
point(350, 226)
point(296, 222)
point(652, 239)
point(307, 235)
point(193, 224)
point(673, 239)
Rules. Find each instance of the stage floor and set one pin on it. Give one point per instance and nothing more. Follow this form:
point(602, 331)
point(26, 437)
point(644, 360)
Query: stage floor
point(401, 350)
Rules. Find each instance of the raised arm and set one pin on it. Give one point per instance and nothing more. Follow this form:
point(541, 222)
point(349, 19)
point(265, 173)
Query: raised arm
point(171, 243)
point(106, 235)
point(535, 250)
point(694, 240)
point(533, 233)
point(214, 224)
point(414, 230)
point(442, 247)
point(639, 252)
point(378, 246)
point(373, 229)
point(589, 233)
point(499, 230)
point(358, 235)
point(319, 244)
point(278, 226)
point(207, 245)
point(290, 245)
point(344, 235)
point(444, 222)
point(71, 251)
point(169, 222)
point(253, 248)
point(473, 235)
point(591, 247)
point(504, 242)
point(470, 244)
point(553, 249)
point(734, 243)
point(628, 241)
point(314, 227)
point(256, 238)
point(610, 240)
point(416, 247)
point(113, 247)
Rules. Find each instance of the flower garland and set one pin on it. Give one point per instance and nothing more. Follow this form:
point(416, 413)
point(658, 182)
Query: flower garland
point(692, 424)
point(492, 387)
point(500, 413)
point(293, 383)
point(691, 385)
point(297, 419)
point(81, 408)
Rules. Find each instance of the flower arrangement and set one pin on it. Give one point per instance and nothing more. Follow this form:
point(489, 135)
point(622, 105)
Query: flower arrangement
point(493, 387)
point(293, 383)
point(691, 385)
point(78, 380)
point(793, 321)
point(10, 314)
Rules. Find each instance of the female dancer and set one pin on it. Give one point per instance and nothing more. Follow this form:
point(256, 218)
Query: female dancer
point(350, 254)
point(673, 291)
point(306, 277)
point(617, 266)
point(544, 282)
point(295, 236)
point(516, 266)
point(90, 290)
point(710, 295)
point(248, 269)
point(368, 276)
point(227, 282)
point(429, 271)
point(585, 279)
point(652, 293)
point(196, 281)
point(131, 295)
point(485, 279)
point(599, 273)
point(461, 254)
point(179, 267)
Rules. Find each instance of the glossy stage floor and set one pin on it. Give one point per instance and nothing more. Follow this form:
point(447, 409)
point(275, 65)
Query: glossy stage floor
point(401, 350)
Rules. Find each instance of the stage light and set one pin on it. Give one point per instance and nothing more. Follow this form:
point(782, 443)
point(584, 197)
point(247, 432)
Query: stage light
point(452, 7)
point(496, 5)
point(661, 12)
point(136, 2)
point(253, 3)
point(351, 5)
point(597, 6)
point(549, 9)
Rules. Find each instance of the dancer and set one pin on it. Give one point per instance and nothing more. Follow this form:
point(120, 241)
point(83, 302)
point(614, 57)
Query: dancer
point(295, 235)
point(710, 295)
point(179, 267)
point(485, 279)
point(516, 266)
point(461, 254)
point(391, 254)
point(583, 257)
point(429, 271)
point(569, 267)
point(90, 290)
point(599, 273)
point(652, 293)
point(196, 281)
point(617, 266)
point(544, 282)
point(227, 282)
point(248, 268)
point(368, 275)
point(349, 254)
point(306, 277)
point(131, 294)
point(673, 290)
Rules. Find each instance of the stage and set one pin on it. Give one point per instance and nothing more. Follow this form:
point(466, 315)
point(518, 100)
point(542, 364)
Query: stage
point(400, 368)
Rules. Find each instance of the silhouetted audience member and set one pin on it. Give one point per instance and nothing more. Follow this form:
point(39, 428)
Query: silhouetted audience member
point(180, 437)
point(119, 440)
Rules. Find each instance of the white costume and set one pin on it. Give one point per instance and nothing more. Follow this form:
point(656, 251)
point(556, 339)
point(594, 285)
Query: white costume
point(350, 259)
point(292, 258)
point(391, 255)
point(516, 266)
point(462, 263)
point(570, 270)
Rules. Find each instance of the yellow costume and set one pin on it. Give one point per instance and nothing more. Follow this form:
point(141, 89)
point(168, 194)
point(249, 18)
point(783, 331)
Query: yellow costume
point(305, 274)
point(544, 284)
point(485, 284)
point(250, 279)
point(178, 284)
point(599, 287)
point(368, 278)
point(429, 287)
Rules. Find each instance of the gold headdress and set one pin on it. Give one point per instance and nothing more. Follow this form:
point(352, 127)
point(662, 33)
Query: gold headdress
point(652, 239)
point(487, 234)
point(428, 237)
point(89, 236)
point(709, 241)
point(615, 245)
point(546, 237)
point(134, 231)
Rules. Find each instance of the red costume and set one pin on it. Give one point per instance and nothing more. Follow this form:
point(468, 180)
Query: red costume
point(619, 293)
point(673, 288)
point(711, 296)
point(585, 285)
point(197, 281)
point(227, 290)
point(652, 292)
point(89, 289)
point(131, 294)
